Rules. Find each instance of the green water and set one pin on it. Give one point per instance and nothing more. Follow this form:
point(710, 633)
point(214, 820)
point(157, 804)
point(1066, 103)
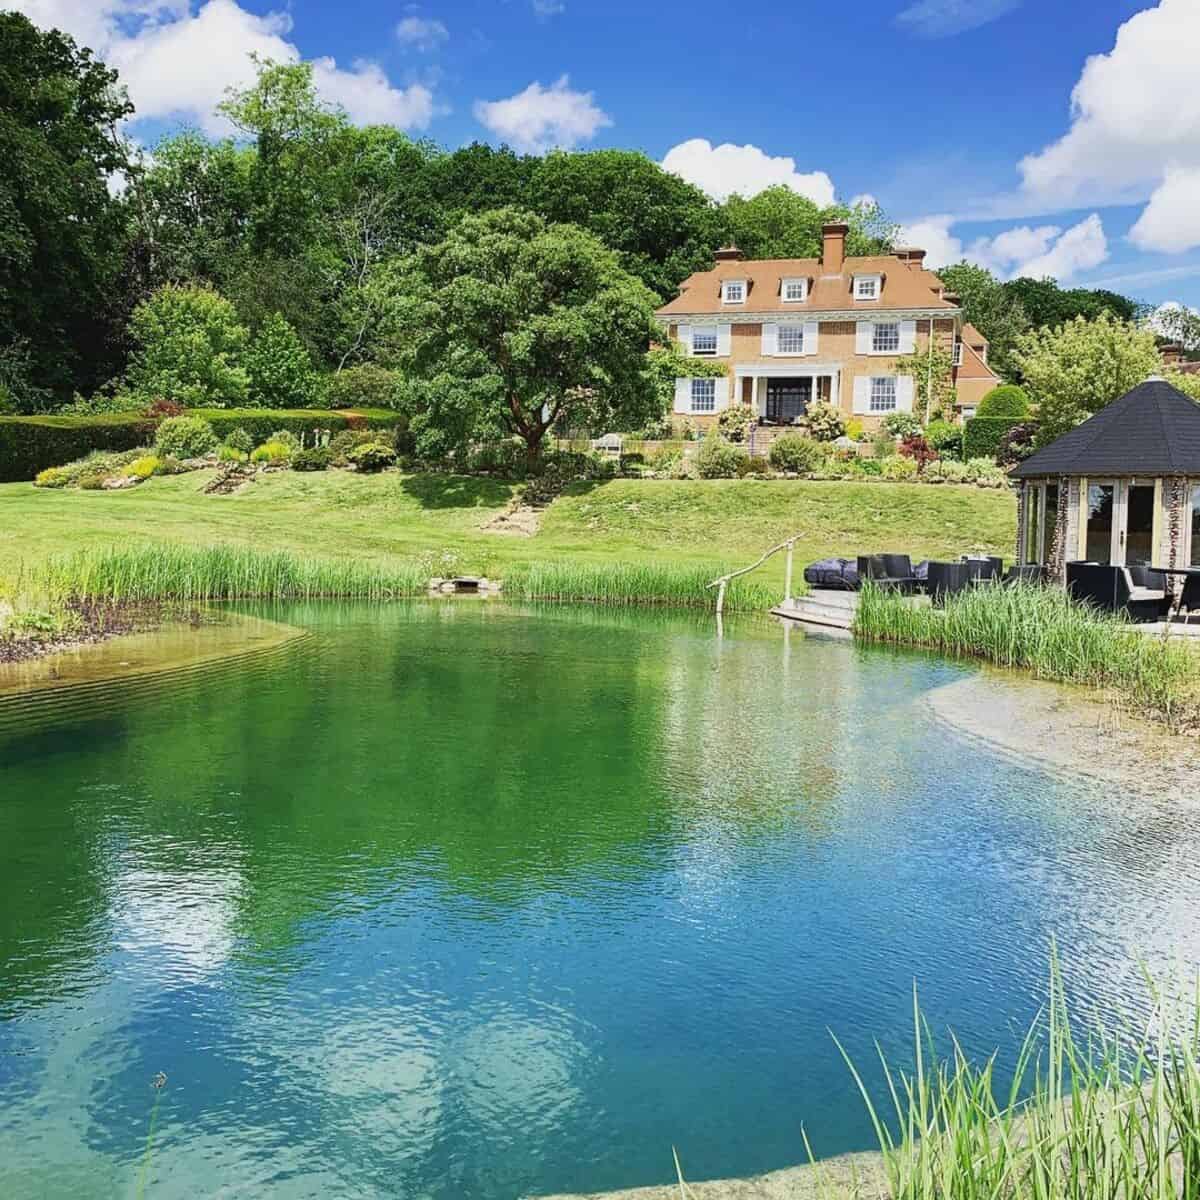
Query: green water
point(457, 899)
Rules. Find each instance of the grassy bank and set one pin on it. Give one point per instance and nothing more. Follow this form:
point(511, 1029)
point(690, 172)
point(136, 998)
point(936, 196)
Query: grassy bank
point(1040, 630)
point(387, 520)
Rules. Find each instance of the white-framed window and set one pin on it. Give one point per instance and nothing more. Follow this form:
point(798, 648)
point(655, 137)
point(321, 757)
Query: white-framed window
point(794, 291)
point(704, 395)
point(883, 393)
point(704, 340)
point(867, 287)
point(733, 291)
point(885, 337)
point(789, 339)
point(957, 354)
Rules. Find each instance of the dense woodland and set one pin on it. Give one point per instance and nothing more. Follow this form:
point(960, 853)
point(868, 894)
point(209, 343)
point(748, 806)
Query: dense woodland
point(312, 230)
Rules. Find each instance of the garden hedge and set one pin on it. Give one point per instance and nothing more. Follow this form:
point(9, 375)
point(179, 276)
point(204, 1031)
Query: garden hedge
point(31, 444)
point(982, 435)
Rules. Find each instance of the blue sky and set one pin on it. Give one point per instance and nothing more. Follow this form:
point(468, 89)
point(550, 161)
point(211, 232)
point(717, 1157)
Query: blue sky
point(957, 115)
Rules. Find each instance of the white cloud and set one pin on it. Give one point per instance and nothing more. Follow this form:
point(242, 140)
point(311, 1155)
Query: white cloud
point(932, 234)
point(1082, 247)
point(177, 60)
point(1135, 117)
point(1171, 221)
point(1022, 250)
point(944, 18)
point(421, 33)
point(864, 200)
point(548, 8)
point(746, 170)
point(540, 118)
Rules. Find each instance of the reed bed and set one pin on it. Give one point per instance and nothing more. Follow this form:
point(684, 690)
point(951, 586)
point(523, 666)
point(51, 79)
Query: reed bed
point(1108, 1118)
point(678, 584)
point(1040, 629)
point(120, 575)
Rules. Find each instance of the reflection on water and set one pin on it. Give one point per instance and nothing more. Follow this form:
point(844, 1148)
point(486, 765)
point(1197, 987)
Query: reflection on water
point(460, 899)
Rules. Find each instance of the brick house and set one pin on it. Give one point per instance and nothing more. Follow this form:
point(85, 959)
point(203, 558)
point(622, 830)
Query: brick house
point(792, 331)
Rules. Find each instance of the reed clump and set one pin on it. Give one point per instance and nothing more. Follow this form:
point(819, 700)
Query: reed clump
point(1105, 1118)
point(133, 574)
point(1041, 630)
point(679, 584)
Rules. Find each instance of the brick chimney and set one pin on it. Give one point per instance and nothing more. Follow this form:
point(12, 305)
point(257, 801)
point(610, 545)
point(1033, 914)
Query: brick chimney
point(833, 247)
point(728, 254)
point(912, 256)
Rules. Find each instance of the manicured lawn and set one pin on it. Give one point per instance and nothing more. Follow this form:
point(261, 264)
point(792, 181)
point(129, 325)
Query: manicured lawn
point(389, 517)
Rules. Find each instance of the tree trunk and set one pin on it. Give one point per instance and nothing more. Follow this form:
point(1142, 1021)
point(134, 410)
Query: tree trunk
point(533, 446)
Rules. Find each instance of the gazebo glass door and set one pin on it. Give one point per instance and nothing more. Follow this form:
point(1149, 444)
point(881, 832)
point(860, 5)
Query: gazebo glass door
point(1137, 531)
point(1100, 544)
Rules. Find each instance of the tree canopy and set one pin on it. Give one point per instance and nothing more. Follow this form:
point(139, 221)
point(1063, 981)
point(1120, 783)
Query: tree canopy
point(510, 323)
point(780, 223)
point(1075, 369)
point(62, 233)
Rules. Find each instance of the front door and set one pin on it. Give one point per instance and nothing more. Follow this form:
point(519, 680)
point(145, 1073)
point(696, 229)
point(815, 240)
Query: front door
point(1120, 522)
point(788, 400)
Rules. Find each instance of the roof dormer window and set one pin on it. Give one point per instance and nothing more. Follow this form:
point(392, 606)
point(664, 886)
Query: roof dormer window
point(733, 291)
point(794, 291)
point(867, 287)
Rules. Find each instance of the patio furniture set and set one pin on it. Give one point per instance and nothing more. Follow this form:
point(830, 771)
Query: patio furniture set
point(935, 579)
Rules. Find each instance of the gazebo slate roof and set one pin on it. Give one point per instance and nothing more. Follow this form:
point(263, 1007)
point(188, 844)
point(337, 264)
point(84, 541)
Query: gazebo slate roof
point(1152, 430)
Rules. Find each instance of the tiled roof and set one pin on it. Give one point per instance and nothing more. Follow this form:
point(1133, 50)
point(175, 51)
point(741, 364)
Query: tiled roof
point(1152, 430)
point(972, 336)
point(903, 287)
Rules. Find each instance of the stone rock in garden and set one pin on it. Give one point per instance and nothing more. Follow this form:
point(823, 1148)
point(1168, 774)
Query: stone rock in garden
point(118, 483)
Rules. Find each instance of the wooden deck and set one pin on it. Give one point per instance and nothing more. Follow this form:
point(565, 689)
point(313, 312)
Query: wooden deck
point(822, 606)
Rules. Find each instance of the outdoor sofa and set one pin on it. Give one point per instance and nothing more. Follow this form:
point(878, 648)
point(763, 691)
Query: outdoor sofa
point(1120, 589)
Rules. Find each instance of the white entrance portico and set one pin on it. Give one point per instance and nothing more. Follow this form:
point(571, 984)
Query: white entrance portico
point(780, 394)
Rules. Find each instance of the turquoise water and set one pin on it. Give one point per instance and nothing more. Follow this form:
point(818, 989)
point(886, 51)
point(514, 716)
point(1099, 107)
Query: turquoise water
point(455, 899)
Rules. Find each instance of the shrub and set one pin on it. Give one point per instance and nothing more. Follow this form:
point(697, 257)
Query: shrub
point(735, 422)
point(945, 470)
point(52, 477)
point(868, 466)
point(316, 458)
point(261, 423)
point(144, 467)
point(185, 437)
point(794, 452)
point(188, 344)
point(665, 458)
point(239, 439)
point(983, 435)
point(284, 437)
point(1017, 444)
point(31, 444)
point(364, 386)
point(717, 458)
point(278, 367)
point(231, 454)
point(946, 438)
point(271, 454)
point(372, 456)
point(160, 410)
point(825, 422)
point(984, 472)
point(919, 450)
point(1006, 400)
point(170, 465)
point(899, 425)
point(93, 481)
point(897, 469)
point(856, 430)
point(508, 459)
point(753, 465)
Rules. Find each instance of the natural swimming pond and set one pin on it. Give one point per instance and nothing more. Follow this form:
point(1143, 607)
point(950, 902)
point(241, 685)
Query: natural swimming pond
point(458, 899)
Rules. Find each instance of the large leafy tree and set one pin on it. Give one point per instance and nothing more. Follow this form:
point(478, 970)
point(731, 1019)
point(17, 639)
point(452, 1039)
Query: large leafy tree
point(1045, 303)
point(62, 233)
point(1075, 369)
point(991, 308)
point(510, 323)
point(780, 223)
point(662, 227)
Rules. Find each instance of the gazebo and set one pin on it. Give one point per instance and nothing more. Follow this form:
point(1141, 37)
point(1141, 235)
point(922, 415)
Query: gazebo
point(1122, 488)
